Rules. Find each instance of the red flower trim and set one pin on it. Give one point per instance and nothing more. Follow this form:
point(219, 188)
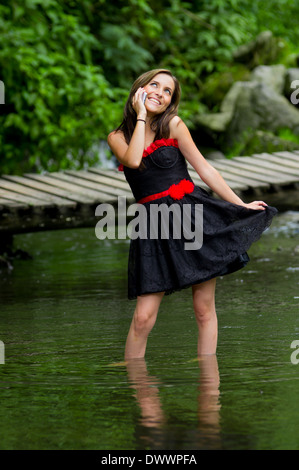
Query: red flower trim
point(155, 146)
point(178, 191)
point(158, 144)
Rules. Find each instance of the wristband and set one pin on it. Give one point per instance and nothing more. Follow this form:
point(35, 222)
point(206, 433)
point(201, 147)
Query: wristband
point(141, 120)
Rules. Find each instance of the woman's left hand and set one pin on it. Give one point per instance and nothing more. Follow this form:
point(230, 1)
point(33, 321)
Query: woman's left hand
point(256, 205)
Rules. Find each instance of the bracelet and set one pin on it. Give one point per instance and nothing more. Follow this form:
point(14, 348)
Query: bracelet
point(141, 120)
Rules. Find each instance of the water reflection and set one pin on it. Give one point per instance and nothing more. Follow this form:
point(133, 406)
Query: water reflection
point(209, 400)
point(147, 393)
point(155, 429)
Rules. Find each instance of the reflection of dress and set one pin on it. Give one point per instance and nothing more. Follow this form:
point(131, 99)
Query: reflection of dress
point(157, 265)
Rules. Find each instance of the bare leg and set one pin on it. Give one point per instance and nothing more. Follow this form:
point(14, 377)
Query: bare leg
point(144, 318)
point(205, 313)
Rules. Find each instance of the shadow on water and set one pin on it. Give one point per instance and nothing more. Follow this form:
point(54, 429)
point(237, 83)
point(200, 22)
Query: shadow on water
point(64, 317)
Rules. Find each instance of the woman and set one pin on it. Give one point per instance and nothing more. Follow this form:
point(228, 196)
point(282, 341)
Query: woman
point(152, 145)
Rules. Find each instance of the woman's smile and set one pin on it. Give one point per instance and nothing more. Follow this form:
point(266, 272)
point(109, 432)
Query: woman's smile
point(154, 100)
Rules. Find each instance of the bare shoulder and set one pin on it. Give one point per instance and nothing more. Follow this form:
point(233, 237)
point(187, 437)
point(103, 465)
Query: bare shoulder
point(174, 123)
point(115, 136)
point(177, 127)
point(117, 143)
point(179, 131)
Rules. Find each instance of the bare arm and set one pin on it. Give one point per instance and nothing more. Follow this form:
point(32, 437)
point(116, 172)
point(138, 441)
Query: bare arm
point(206, 171)
point(131, 155)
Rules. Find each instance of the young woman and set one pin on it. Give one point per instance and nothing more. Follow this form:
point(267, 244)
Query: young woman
point(152, 145)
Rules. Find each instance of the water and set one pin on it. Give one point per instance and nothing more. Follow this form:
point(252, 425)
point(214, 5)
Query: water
point(64, 319)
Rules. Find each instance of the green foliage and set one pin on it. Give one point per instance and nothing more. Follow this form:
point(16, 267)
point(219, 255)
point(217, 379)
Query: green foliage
point(60, 103)
point(287, 134)
point(67, 66)
point(257, 141)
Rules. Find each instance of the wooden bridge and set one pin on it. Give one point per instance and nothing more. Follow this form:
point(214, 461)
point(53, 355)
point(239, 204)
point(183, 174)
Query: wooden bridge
point(68, 199)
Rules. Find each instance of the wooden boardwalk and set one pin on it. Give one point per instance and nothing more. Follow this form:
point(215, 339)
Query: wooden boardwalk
point(68, 199)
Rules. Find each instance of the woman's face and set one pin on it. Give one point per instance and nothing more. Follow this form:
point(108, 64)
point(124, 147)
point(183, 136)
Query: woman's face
point(159, 93)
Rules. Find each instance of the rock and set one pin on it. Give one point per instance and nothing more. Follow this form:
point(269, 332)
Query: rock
point(249, 106)
point(238, 102)
point(273, 76)
point(264, 49)
point(215, 122)
point(215, 86)
point(267, 101)
point(236, 113)
point(260, 107)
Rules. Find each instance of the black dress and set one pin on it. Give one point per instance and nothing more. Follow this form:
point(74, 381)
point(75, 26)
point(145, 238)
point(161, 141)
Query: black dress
point(228, 230)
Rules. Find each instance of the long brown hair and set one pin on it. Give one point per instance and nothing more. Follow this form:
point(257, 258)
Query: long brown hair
point(160, 123)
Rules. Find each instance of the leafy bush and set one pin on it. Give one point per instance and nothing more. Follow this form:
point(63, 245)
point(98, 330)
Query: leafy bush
point(59, 102)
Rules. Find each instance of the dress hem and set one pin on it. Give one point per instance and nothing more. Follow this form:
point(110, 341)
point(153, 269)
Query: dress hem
point(231, 268)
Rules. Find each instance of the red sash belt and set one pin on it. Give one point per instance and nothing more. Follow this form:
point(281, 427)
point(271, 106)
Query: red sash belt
point(176, 191)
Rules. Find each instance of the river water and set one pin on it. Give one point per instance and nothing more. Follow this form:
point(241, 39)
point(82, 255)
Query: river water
point(64, 320)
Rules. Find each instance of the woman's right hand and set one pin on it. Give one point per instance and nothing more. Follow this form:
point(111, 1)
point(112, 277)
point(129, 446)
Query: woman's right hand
point(138, 105)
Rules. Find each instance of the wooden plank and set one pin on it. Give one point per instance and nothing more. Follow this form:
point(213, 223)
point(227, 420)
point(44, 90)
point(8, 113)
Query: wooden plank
point(26, 200)
point(285, 174)
point(224, 168)
point(59, 188)
point(11, 204)
point(101, 190)
point(115, 174)
point(97, 185)
point(61, 199)
point(294, 155)
point(234, 178)
point(263, 166)
point(49, 178)
point(290, 162)
point(286, 163)
point(258, 169)
point(107, 179)
point(251, 171)
point(279, 166)
point(8, 182)
point(50, 189)
point(63, 181)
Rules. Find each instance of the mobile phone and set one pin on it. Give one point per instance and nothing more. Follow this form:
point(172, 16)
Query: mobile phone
point(144, 95)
